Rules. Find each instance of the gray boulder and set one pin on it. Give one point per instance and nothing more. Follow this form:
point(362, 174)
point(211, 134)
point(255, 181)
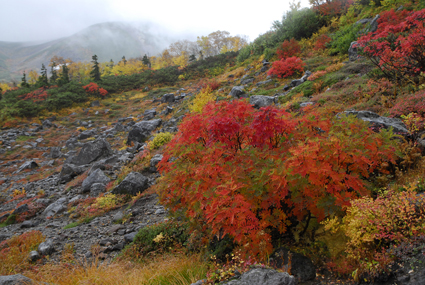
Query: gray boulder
point(69, 171)
point(353, 52)
point(247, 81)
point(96, 176)
point(34, 255)
point(47, 124)
point(373, 27)
point(142, 130)
point(377, 121)
point(263, 82)
point(96, 189)
point(92, 151)
point(154, 162)
point(130, 237)
point(149, 114)
point(168, 98)
point(17, 279)
point(259, 101)
point(46, 248)
point(86, 134)
point(301, 266)
point(263, 276)
point(27, 165)
point(132, 184)
point(21, 209)
point(55, 152)
point(237, 92)
point(55, 208)
point(119, 128)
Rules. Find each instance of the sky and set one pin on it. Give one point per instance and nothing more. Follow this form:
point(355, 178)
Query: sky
point(42, 20)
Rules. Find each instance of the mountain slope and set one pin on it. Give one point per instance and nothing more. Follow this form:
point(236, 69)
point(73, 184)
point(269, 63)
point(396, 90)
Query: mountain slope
point(108, 40)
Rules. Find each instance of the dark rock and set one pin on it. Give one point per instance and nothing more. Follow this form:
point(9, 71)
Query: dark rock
point(378, 121)
point(296, 82)
point(353, 52)
point(46, 248)
point(95, 103)
point(237, 92)
point(17, 279)
point(149, 114)
point(47, 124)
point(247, 81)
point(142, 131)
point(34, 256)
point(55, 152)
point(306, 75)
point(301, 266)
point(27, 224)
point(263, 276)
point(118, 217)
point(264, 68)
point(128, 238)
point(374, 24)
point(132, 184)
point(69, 171)
point(96, 189)
point(263, 82)
point(86, 134)
point(96, 176)
point(55, 208)
point(119, 128)
point(363, 21)
point(167, 110)
point(154, 162)
point(93, 151)
point(286, 87)
point(21, 209)
point(168, 98)
point(27, 165)
point(259, 101)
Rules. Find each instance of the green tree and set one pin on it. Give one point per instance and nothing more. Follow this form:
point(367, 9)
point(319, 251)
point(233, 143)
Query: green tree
point(24, 83)
point(42, 80)
point(54, 73)
point(95, 72)
point(123, 59)
point(111, 63)
point(146, 61)
point(192, 58)
point(64, 78)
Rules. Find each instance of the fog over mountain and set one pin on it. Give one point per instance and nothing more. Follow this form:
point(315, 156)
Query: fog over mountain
point(110, 40)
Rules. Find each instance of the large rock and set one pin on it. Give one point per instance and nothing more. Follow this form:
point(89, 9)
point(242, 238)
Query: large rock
point(300, 266)
point(132, 184)
point(86, 134)
point(149, 114)
point(96, 176)
point(92, 151)
point(377, 121)
point(259, 101)
point(142, 130)
point(17, 279)
point(27, 165)
point(154, 162)
point(352, 52)
point(237, 92)
point(55, 208)
point(55, 152)
point(46, 248)
point(373, 27)
point(263, 276)
point(69, 171)
point(168, 98)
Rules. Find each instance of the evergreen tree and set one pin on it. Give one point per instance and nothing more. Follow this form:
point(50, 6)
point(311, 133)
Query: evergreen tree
point(111, 63)
point(192, 58)
point(124, 60)
point(146, 61)
point(42, 80)
point(64, 78)
point(54, 76)
point(95, 72)
point(24, 83)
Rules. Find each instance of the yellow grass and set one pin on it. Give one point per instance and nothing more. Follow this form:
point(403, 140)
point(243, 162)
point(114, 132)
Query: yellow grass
point(169, 269)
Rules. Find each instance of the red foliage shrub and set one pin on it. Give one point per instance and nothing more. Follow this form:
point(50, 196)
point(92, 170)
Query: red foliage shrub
point(243, 172)
point(398, 47)
point(288, 49)
point(321, 42)
point(332, 8)
point(37, 95)
point(287, 67)
point(94, 89)
point(410, 104)
point(213, 84)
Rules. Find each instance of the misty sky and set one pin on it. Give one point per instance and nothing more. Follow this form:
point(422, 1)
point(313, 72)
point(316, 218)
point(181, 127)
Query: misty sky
point(39, 20)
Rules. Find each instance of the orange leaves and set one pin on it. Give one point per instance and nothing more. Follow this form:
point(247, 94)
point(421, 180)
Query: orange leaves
point(242, 172)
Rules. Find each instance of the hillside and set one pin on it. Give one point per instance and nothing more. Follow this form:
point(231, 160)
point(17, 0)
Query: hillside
point(107, 40)
point(290, 161)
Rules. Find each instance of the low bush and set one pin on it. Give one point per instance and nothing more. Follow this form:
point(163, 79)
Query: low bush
point(287, 67)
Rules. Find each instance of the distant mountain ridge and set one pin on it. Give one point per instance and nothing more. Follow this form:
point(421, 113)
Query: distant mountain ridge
point(110, 40)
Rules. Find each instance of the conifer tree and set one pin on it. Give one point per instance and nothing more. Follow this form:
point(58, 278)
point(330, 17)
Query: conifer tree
point(42, 80)
point(95, 73)
point(24, 83)
point(54, 76)
point(64, 78)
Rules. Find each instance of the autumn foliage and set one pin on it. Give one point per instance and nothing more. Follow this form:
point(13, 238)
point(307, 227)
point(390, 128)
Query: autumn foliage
point(94, 89)
point(287, 67)
point(398, 47)
point(288, 49)
point(240, 172)
point(37, 95)
point(321, 42)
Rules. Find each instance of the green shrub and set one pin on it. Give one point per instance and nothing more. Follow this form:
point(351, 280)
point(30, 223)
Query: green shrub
point(342, 39)
point(306, 88)
point(159, 140)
